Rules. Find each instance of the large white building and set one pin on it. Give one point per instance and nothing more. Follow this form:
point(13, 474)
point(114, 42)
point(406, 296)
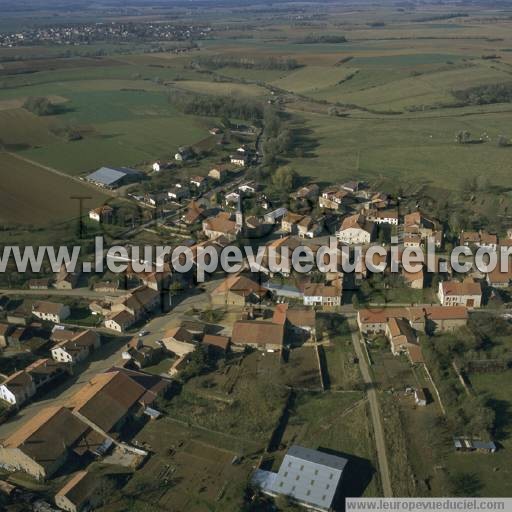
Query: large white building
point(355, 230)
point(310, 477)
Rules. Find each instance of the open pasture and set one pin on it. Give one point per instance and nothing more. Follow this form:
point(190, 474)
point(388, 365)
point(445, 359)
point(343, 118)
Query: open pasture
point(223, 88)
point(337, 423)
point(122, 143)
point(413, 149)
point(313, 78)
point(121, 125)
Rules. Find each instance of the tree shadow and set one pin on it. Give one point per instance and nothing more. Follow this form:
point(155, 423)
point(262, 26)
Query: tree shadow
point(356, 477)
point(503, 414)
point(304, 141)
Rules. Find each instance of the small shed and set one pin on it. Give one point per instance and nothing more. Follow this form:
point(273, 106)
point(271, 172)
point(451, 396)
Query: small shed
point(420, 397)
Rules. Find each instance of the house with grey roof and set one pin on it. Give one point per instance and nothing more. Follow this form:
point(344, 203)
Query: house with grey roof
point(309, 477)
point(112, 177)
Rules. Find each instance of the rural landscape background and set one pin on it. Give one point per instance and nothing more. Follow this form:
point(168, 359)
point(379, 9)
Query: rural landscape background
point(413, 98)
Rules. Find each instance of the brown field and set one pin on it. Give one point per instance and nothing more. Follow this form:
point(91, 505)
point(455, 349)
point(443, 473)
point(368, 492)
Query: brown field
point(32, 195)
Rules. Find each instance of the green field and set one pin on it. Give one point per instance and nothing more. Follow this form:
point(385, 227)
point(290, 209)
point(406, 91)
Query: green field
point(419, 149)
point(310, 79)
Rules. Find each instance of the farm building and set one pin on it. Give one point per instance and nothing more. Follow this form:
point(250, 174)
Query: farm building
point(463, 444)
point(310, 477)
point(44, 442)
point(420, 398)
point(79, 493)
point(259, 334)
point(110, 177)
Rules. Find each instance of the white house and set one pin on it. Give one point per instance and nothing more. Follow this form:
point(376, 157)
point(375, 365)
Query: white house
point(420, 397)
point(177, 193)
point(184, 154)
point(317, 294)
point(77, 348)
point(101, 214)
point(198, 181)
point(355, 230)
point(50, 311)
point(17, 388)
point(120, 321)
point(239, 159)
point(455, 293)
point(232, 198)
point(249, 186)
point(383, 217)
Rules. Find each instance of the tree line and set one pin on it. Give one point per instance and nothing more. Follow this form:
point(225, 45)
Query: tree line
point(322, 39)
point(224, 61)
point(216, 106)
point(485, 94)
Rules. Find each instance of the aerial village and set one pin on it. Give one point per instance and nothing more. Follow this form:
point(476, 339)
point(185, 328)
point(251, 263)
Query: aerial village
point(90, 363)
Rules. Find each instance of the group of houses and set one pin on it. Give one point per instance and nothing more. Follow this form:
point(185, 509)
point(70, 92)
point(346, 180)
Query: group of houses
point(239, 290)
point(401, 325)
point(62, 280)
point(123, 312)
point(268, 329)
point(86, 425)
point(68, 348)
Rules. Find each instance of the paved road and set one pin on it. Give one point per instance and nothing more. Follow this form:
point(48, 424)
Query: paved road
point(76, 292)
point(375, 414)
point(105, 357)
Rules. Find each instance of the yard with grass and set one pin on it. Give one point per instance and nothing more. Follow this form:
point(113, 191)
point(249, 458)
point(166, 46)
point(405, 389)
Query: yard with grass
point(191, 468)
point(492, 472)
point(339, 423)
point(248, 409)
point(337, 354)
point(412, 431)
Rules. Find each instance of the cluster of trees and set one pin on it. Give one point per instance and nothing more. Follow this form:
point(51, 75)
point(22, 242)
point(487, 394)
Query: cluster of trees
point(40, 106)
point(67, 132)
point(463, 137)
point(201, 362)
point(224, 61)
point(277, 137)
point(284, 179)
point(485, 94)
point(467, 415)
point(322, 39)
point(216, 106)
